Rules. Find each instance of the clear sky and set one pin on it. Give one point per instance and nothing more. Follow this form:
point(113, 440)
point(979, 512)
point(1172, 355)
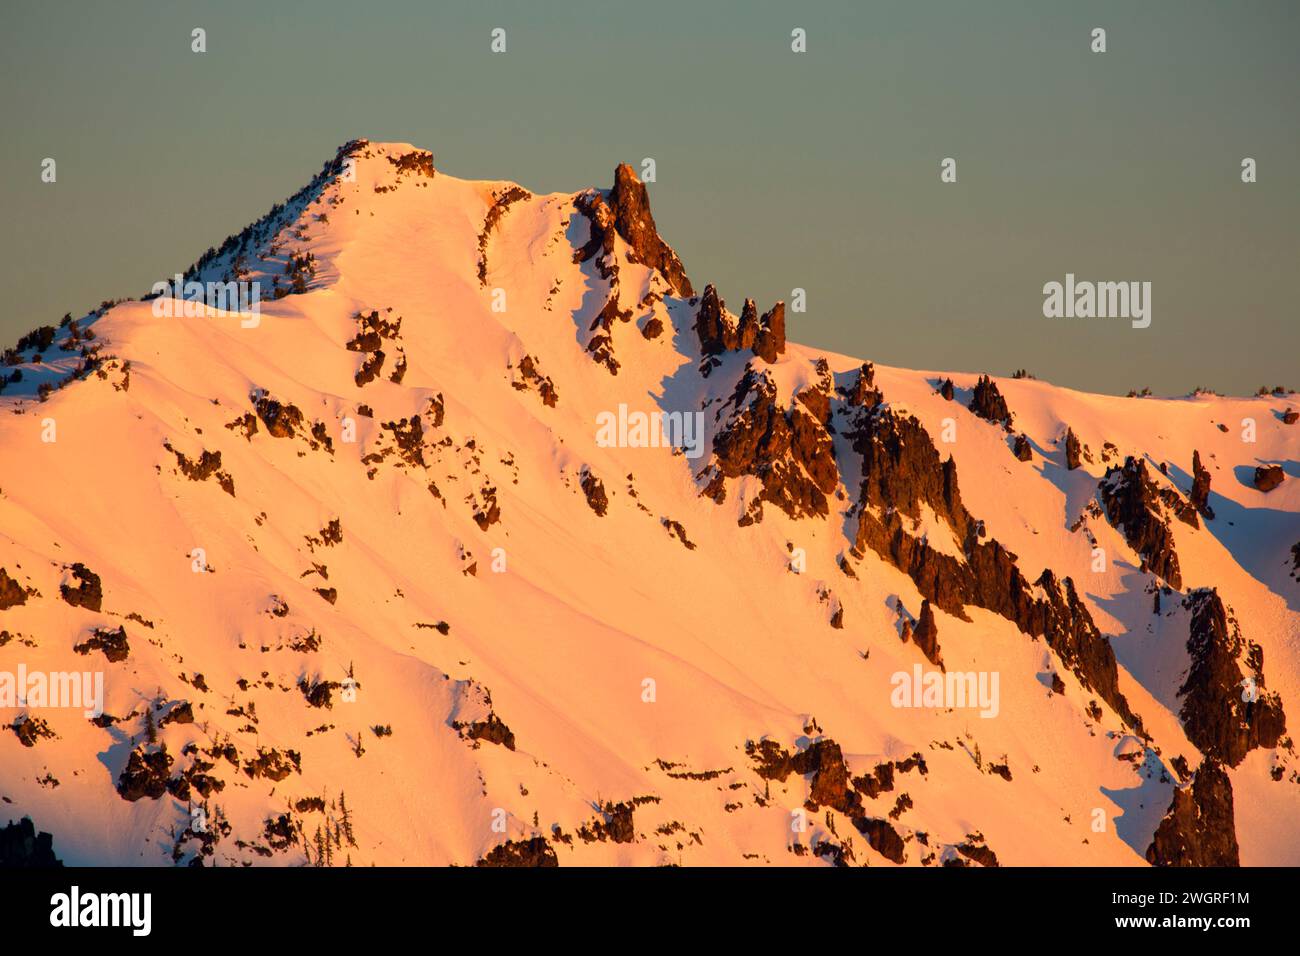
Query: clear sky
point(775, 169)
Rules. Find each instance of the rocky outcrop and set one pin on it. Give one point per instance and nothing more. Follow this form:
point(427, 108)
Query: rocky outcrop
point(492, 729)
point(530, 377)
point(273, 764)
point(901, 470)
point(1200, 494)
point(502, 200)
point(1199, 829)
point(1226, 711)
point(208, 466)
point(87, 593)
point(146, 775)
point(718, 334)
point(829, 785)
point(1023, 450)
point(29, 730)
point(280, 419)
point(862, 393)
point(615, 824)
point(1268, 477)
point(926, 635)
point(21, 847)
point(11, 593)
point(1133, 506)
point(521, 853)
point(418, 162)
point(987, 402)
point(788, 450)
point(883, 838)
point(770, 341)
point(1073, 450)
point(372, 332)
point(713, 326)
point(675, 530)
point(112, 643)
point(625, 212)
point(594, 489)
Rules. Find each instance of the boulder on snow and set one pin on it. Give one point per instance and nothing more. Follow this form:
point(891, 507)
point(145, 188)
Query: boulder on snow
point(1268, 477)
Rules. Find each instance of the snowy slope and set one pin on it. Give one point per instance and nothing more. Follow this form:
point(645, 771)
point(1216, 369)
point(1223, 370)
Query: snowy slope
point(556, 616)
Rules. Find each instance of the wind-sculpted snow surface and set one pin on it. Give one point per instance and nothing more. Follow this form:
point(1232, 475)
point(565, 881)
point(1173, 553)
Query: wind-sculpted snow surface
point(492, 542)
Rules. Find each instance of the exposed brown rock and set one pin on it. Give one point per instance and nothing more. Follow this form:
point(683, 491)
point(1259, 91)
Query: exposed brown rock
point(535, 852)
point(884, 839)
point(978, 852)
point(88, 592)
point(145, 775)
point(712, 325)
point(208, 465)
point(502, 200)
point(987, 402)
point(900, 471)
point(1218, 714)
point(747, 331)
point(11, 593)
point(717, 333)
point(1073, 450)
point(1199, 829)
point(281, 420)
point(1132, 505)
point(626, 212)
point(29, 729)
point(863, 391)
point(594, 489)
point(926, 635)
point(675, 530)
point(1023, 450)
point(531, 377)
point(790, 451)
point(1268, 477)
point(492, 729)
point(770, 341)
point(112, 643)
point(1200, 494)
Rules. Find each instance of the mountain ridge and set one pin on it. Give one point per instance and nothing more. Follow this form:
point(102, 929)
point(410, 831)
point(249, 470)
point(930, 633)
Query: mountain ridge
point(399, 497)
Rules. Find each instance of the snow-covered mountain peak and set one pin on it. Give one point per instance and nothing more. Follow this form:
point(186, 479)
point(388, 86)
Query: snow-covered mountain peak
point(487, 536)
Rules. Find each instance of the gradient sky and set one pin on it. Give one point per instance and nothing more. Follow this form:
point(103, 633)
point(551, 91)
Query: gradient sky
point(775, 170)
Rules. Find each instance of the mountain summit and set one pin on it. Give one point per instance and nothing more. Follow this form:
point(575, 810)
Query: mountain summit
point(464, 529)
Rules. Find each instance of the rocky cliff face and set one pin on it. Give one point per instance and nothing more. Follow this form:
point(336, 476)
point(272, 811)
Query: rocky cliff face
point(1199, 829)
point(987, 402)
point(719, 333)
point(625, 211)
point(1226, 710)
point(900, 471)
point(1133, 505)
point(787, 449)
point(1200, 493)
